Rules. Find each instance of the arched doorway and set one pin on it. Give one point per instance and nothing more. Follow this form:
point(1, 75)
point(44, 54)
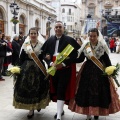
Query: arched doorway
point(48, 28)
point(37, 24)
point(1, 22)
point(22, 24)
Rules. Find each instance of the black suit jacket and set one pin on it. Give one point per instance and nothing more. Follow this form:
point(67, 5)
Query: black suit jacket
point(49, 48)
point(16, 50)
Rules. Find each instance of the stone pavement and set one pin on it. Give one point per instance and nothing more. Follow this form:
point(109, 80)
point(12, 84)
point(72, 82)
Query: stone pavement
point(7, 111)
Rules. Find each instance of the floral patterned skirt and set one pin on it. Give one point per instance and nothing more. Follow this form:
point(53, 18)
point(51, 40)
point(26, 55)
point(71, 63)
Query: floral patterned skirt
point(31, 91)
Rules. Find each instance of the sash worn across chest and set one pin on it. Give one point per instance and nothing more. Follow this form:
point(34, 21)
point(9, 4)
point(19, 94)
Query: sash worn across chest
point(92, 57)
point(36, 59)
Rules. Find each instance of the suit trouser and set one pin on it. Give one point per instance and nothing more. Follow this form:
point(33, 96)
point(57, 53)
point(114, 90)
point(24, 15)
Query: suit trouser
point(1, 65)
point(60, 82)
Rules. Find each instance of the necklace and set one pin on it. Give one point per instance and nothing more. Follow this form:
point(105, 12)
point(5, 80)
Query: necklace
point(93, 46)
point(34, 45)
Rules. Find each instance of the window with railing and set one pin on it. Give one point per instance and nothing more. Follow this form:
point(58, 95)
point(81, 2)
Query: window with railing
point(63, 18)
point(63, 10)
point(69, 12)
point(91, 9)
point(68, 18)
point(69, 27)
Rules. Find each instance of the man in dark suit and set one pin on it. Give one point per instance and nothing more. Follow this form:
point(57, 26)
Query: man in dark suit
point(65, 76)
point(16, 50)
point(3, 45)
point(21, 38)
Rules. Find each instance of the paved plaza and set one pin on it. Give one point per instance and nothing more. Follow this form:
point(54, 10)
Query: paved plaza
point(7, 111)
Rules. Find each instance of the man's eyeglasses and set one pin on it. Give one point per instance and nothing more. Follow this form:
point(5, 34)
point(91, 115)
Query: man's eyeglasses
point(58, 27)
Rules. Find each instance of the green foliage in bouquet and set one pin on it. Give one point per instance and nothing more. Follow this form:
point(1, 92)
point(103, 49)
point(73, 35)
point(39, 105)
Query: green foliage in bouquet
point(60, 58)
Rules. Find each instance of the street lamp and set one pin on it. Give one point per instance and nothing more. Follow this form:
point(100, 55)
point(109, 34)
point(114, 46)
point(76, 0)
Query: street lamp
point(14, 10)
point(49, 28)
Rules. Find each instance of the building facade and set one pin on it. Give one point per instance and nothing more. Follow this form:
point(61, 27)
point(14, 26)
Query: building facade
point(56, 4)
point(32, 13)
point(98, 9)
point(71, 13)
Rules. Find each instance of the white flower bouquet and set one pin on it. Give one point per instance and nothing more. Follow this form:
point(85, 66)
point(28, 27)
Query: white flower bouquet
point(14, 70)
point(112, 71)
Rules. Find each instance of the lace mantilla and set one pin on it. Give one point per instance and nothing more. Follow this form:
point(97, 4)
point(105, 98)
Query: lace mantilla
point(28, 48)
point(97, 51)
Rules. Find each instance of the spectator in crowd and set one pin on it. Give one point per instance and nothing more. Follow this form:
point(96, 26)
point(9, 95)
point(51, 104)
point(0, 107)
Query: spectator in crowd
point(117, 45)
point(21, 38)
point(106, 40)
point(16, 50)
point(8, 58)
point(8, 38)
point(2, 54)
point(112, 44)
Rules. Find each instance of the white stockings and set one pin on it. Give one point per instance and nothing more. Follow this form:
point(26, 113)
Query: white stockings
point(60, 105)
point(31, 112)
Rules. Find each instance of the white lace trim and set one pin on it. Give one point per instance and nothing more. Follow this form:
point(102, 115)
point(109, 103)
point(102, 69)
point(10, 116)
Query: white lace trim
point(28, 48)
point(100, 39)
point(98, 51)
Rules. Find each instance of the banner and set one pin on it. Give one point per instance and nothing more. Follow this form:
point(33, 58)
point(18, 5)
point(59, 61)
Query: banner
point(88, 24)
point(113, 28)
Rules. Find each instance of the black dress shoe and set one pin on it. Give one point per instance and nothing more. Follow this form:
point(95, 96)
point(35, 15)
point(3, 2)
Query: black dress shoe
point(96, 117)
point(30, 116)
point(61, 115)
point(39, 110)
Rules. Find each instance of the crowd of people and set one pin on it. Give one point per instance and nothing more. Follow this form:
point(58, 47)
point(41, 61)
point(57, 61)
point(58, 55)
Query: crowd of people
point(88, 93)
point(113, 43)
point(9, 52)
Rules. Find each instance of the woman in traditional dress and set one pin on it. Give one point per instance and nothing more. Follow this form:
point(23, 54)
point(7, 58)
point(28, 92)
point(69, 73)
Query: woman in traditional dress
point(95, 93)
point(31, 87)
